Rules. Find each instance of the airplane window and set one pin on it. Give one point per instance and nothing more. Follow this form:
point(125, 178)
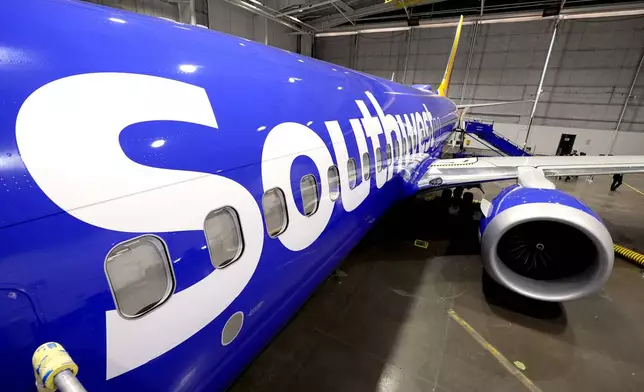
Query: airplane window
point(140, 275)
point(353, 172)
point(404, 145)
point(411, 146)
point(378, 159)
point(366, 166)
point(397, 149)
point(275, 214)
point(223, 236)
point(334, 182)
point(309, 191)
point(388, 160)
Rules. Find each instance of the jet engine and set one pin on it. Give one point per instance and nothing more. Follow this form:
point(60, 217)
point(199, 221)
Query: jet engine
point(545, 244)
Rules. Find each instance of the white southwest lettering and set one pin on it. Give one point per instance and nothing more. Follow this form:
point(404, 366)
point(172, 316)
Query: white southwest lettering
point(67, 133)
point(351, 198)
point(390, 127)
point(372, 129)
point(283, 144)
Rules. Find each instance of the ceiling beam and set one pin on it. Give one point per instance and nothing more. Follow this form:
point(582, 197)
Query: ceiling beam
point(330, 21)
point(568, 13)
point(266, 14)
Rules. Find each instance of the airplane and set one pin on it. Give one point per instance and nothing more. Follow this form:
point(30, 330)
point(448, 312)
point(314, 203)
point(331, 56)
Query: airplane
point(172, 195)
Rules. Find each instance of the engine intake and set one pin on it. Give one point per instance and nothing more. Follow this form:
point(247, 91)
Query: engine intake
point(545, 244)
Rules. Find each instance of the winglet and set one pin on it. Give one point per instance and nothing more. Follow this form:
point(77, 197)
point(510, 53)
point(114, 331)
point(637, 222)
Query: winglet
point(442, 89)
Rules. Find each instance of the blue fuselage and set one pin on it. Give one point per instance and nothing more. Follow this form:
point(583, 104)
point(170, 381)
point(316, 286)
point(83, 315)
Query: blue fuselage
point(114, 125)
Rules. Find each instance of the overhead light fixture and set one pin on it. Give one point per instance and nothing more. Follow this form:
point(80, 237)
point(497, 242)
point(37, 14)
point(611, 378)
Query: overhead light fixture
point(606, 14)
point(117, 20)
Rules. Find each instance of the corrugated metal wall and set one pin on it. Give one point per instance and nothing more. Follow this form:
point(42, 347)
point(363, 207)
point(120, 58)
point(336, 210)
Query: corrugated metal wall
point(591, 68)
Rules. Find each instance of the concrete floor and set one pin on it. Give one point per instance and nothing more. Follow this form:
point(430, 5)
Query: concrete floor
point(385, 325)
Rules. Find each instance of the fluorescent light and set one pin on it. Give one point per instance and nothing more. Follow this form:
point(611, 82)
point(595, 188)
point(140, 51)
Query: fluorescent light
point(117, 20)
point(516, 19)
point(339, 87)
point(256, 2)
point(261, 128)
point(603, 14)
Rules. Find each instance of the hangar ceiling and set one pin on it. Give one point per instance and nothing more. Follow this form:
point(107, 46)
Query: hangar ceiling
point(328, 14)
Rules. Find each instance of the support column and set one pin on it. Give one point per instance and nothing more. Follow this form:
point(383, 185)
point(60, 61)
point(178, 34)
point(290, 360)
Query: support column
point(265, 31)
point(543, 76)
point(187, 12)
point(628, 97)
point(471, 51)
point(355, 52)
point(409, 33)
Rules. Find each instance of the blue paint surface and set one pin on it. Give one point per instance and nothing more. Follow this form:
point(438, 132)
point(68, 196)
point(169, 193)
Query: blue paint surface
point(55, 262)
point(515, 195)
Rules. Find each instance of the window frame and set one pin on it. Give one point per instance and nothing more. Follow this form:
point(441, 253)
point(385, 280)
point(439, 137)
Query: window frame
point(242, 243)
point(283, 199)
point(317, 195)
point(355, 173)
point(366, 175)
point(388, 154)
point(169, 291)
point(335, 169)
point(378, 155)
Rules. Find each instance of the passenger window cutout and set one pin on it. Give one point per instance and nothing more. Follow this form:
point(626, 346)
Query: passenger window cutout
point(397, 149)
point(404, 145)
point(223, 236)
point(388, 157)
point(334, 182)
point(378, 159)
point(275, 214)
point(353, 172)
point(140, 275)
point(366, 166)
point(309, 191)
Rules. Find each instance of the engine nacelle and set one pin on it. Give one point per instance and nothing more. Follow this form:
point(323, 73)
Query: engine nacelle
point(545, 244)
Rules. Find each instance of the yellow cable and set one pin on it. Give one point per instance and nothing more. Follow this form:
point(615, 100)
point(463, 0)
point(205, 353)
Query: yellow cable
point(629, 255)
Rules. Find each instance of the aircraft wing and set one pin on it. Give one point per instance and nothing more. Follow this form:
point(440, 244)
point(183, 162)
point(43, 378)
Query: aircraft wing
point(452, 172)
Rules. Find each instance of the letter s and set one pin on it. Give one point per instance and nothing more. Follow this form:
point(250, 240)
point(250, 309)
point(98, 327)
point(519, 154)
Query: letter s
point(68, 136)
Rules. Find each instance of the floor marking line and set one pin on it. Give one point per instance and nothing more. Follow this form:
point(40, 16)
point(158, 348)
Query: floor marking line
point(492, 350)
point(635, 189)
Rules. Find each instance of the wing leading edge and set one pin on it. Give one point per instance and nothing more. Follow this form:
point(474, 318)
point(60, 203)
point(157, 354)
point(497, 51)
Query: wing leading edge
point(452, 172)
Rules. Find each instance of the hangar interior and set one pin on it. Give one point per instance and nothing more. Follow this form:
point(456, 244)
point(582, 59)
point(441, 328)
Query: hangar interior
point(401, 317)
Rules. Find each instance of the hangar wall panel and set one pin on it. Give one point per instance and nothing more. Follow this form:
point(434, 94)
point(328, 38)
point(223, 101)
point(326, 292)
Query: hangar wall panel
point(591, 68)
